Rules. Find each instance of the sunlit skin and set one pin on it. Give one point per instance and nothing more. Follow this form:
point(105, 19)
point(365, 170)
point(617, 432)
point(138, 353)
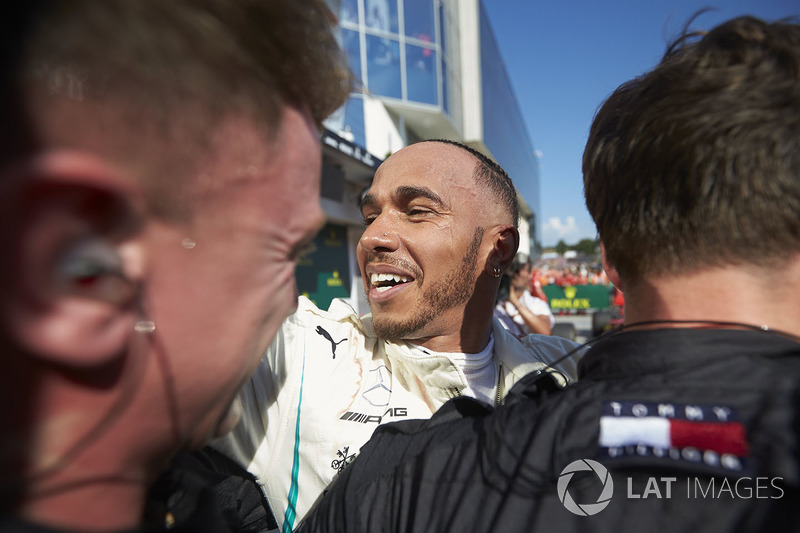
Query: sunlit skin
point(216, 288)
point(423, 214)
point(222, 301)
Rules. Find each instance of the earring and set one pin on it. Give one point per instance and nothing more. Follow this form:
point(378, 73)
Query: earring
point(496, 272)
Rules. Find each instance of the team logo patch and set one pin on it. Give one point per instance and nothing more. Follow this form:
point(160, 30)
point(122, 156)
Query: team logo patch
point(343, 458)
point(711, 435)
point(379, 392)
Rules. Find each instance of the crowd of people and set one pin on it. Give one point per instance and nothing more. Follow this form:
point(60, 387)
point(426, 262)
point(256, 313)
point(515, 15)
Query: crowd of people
point(159, 372)
point(571, 275)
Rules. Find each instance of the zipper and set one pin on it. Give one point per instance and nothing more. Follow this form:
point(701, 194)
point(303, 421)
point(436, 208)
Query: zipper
point(453, 392)
point(499, 383)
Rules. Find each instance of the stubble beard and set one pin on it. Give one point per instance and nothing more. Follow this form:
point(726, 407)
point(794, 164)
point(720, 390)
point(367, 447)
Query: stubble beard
point(453, 290)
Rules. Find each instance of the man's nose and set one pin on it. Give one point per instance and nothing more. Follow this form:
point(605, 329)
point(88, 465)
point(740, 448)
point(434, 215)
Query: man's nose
point(379, 236)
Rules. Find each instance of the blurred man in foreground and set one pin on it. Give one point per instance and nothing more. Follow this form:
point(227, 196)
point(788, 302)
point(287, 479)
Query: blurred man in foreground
point(440, 230)
point(159, 169)
point(686, 419)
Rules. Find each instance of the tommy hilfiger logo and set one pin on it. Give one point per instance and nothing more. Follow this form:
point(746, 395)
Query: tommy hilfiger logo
point(704, 434)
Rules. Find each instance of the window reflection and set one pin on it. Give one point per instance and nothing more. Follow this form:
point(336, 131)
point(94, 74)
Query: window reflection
point(381, 15)
point(383, 66)
point(353, 129)
point(350, 44)
point(419, 19)
point(348, 12)
point(421, 71)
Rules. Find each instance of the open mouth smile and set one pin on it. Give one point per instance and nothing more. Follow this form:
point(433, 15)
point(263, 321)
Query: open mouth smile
point(384, 282)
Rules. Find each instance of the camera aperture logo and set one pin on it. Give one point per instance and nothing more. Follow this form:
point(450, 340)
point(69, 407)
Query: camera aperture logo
point(585, 509)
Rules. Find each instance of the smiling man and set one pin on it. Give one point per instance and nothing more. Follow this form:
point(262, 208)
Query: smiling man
point(686, 418)
point(440, 229)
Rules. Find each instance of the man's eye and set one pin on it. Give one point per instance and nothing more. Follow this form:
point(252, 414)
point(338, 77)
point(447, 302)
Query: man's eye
point(368, 220)
point(418, 212)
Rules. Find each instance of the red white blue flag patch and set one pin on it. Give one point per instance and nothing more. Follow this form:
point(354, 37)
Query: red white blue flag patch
point(711, 435)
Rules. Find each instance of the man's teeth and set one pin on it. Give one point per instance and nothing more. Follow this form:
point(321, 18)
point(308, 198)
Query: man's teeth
point(379, 278)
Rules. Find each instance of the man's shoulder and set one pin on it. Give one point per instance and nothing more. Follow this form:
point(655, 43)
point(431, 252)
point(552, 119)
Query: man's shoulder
point(340, 314)
point(338, 310)
point(455, 425)
point(535, 352)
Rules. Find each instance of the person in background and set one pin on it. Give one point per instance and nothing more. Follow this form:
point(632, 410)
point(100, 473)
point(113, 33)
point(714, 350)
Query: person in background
point(159, 175)
point(517, 309)
point(687, 418)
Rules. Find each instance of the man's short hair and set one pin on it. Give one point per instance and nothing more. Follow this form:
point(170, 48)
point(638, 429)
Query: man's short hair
point(697, 163)
point(169, 70)
point(489, 173)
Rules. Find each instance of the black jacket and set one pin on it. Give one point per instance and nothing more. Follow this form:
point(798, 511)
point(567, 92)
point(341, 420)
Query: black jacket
point(200, 492)
point(700, 433)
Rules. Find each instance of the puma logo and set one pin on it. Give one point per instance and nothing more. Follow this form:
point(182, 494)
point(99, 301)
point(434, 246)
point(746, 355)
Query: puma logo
point(327, 335)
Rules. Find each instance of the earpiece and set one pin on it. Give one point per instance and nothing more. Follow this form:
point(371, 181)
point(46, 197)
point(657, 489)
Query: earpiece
point(87, 261)
point(93, 268)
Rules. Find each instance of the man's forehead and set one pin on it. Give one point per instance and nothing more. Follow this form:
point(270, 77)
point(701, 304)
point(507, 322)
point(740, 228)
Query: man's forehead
point(434, 165)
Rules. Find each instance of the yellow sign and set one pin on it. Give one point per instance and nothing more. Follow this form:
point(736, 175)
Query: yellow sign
point(568, 303)
point(335, 281)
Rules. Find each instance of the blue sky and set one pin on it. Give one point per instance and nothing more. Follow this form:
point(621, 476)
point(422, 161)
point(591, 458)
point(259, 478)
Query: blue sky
point(565, 58)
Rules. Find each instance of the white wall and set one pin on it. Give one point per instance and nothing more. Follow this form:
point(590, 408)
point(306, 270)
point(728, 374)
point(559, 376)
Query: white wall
point(470, 70)
point(524, 237)
point(382, 134)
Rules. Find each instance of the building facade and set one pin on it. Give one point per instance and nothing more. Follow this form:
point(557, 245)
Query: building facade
point(426, 69)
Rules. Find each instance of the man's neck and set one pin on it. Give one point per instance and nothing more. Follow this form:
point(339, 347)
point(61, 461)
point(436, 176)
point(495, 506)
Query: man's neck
point(463, 340)
point(752, 296)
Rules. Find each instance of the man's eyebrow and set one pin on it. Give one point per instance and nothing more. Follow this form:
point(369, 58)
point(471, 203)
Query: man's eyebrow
point(404, 194)
point(408, 193)
point(367, 200)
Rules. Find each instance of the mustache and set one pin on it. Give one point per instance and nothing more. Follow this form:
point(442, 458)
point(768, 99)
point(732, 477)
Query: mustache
point(387, 259)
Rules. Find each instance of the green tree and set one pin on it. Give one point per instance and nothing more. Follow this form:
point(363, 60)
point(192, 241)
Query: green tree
point(586, 247)
point(561, 247)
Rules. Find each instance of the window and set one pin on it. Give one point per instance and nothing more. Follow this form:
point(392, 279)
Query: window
point(348, 12)
point(350, 45)
point(353, 129)
point(381, 15)
point(383, 67)
point(419, 19)
point(421, 72)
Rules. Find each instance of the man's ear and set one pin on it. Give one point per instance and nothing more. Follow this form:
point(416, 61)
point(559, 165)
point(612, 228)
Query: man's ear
point(505, 242)
point(73, 258)
point(611, 271)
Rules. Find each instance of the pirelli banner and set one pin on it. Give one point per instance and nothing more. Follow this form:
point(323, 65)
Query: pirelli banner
point(577, 297)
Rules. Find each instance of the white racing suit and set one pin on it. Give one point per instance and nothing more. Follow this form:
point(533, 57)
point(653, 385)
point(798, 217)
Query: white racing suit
point(325, 384)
